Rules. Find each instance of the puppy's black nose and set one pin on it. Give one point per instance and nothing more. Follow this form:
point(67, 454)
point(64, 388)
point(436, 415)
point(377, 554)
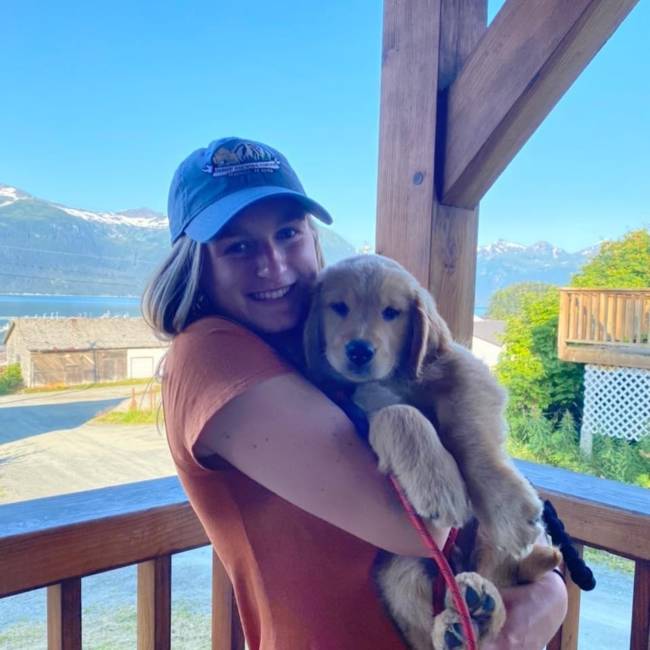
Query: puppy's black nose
point(359, 352)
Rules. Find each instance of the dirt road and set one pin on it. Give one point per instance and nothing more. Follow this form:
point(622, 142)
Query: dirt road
point(48, 445)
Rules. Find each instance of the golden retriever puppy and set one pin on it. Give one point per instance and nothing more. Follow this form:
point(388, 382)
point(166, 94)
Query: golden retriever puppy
point(372, 326)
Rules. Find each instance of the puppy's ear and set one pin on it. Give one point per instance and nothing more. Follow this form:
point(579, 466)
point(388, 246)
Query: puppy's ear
point(312, 337)
point(429, 332)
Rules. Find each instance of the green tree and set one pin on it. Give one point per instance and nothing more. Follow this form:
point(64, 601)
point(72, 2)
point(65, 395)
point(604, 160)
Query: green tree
point(507, 302)
point(621, 264)
point(529, 366)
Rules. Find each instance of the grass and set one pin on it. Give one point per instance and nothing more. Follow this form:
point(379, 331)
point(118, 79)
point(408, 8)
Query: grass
point(57, 387)
point(614, 562)
point(109, 628)
point(536, 438)
point(133, 416)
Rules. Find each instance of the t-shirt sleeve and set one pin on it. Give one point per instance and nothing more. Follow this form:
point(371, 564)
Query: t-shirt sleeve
point(209, 364)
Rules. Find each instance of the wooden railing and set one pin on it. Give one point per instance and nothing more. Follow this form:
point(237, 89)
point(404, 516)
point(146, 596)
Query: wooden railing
point(55, 542)
point(605, 326)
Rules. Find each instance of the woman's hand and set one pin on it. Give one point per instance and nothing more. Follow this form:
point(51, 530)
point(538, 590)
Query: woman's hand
point(534, 614)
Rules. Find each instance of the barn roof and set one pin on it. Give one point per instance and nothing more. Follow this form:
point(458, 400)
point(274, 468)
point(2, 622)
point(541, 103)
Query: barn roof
point(50, 334)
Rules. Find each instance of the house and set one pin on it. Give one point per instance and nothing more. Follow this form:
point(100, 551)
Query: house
point(487, 339)
point(608, 330)
point(82, 350)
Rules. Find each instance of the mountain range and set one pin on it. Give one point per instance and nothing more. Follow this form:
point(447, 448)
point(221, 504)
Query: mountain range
point(50, 248)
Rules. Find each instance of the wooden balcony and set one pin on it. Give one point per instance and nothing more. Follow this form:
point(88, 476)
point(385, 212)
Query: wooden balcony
point(55, 542)
point(608, 327)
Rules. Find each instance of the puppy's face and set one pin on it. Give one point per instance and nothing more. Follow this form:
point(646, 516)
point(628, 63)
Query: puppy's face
point(367, 319)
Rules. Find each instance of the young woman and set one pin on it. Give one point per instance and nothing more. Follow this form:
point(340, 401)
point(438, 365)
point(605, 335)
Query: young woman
point(289, 495)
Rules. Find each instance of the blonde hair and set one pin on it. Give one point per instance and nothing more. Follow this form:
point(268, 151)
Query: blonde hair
point(173, 299)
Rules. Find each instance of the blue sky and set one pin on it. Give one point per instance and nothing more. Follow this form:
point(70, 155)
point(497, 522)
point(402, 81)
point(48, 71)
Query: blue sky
point(101, 101)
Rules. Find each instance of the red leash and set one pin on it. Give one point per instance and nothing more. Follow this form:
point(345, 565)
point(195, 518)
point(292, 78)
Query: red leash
point(443, 565)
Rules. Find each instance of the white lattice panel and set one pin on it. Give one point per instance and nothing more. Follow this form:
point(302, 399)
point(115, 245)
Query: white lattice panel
point(617, 402)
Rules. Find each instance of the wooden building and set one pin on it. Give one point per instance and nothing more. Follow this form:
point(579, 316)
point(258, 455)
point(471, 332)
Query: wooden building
point(609, 331)
point(70, 351)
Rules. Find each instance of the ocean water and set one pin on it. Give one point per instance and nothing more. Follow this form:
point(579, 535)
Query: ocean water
point(12, 306)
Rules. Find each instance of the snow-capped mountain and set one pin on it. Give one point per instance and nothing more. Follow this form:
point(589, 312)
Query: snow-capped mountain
point(503, 263)
point(50, 248)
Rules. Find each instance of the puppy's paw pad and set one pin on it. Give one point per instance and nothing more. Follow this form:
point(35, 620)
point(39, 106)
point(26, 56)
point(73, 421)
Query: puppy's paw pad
point(484, 603)
point(454, 637)
point(448, 631)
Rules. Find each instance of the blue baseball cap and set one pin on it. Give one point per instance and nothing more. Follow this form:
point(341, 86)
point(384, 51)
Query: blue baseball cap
point(213, 184)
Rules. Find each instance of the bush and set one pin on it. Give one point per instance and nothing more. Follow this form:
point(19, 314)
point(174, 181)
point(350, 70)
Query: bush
point(11, 379)
point(539, 439)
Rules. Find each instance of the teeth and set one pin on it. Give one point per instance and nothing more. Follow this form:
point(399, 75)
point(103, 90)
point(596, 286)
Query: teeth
point(271, 295)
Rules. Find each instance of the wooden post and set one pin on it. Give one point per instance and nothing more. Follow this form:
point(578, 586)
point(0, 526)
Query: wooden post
point(640, 637)
point(567, 636)
point(425, 43)
point(563, 329)
point(154, 604)
point(64, 615)
point(227, 632)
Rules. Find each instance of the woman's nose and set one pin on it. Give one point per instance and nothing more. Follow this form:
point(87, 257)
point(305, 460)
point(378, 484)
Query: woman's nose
point(270, 261)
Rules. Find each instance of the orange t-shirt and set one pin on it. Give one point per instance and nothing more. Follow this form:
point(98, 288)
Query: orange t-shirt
point(300, 583)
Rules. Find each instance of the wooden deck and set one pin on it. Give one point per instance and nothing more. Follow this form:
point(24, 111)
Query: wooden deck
point(55, 542)
point(608, 327)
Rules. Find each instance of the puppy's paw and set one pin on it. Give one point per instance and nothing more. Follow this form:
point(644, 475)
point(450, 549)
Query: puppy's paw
point(486, 609)
point(515, 528)
point(408, 447)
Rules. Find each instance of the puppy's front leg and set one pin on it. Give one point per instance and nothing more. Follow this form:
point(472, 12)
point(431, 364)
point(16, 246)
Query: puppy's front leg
point(408, 447)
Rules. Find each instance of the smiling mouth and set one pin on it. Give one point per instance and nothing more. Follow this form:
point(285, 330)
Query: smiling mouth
point(275, 294)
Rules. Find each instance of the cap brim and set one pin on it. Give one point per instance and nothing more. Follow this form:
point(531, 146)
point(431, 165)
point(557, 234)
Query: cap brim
point(207, 223)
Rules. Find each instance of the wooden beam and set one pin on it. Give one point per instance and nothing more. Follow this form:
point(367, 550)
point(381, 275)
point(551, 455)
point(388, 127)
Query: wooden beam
point(407, 133)
point(532, 52)
point(425, 45)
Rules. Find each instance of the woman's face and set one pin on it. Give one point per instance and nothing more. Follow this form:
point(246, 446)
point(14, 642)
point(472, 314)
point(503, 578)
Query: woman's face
point(260, 268)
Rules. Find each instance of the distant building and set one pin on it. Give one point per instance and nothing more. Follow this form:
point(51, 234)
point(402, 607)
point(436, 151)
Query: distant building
point(487, 340)
point(82, 350)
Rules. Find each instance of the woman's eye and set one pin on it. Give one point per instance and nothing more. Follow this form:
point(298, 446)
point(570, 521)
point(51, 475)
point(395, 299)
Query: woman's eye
point(287, 233)
point(239, 247)
point(390, 313)
point(340, 308)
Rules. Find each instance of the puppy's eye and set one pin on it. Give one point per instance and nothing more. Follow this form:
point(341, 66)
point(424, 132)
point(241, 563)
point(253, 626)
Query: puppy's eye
point(340, 308)
point(390, 313)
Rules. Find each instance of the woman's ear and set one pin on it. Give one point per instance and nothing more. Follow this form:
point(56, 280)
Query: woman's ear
point(312, 335)
point(430, 335)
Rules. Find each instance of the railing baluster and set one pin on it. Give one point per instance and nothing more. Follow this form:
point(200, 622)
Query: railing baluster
point(573, 321)
point(611, 317)
point(154, 603)
point(640, 636)
point(620, 318)
point(581, 317)
point(602, 317)
point(227, 633)
point(64, 615)
point(638, 318)
point(567, 636)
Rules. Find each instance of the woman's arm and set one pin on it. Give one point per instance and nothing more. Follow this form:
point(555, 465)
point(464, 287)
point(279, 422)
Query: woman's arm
point(286, 435)
point(535, 613)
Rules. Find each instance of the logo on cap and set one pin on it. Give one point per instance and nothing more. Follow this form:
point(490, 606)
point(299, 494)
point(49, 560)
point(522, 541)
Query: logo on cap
point(244, 157)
